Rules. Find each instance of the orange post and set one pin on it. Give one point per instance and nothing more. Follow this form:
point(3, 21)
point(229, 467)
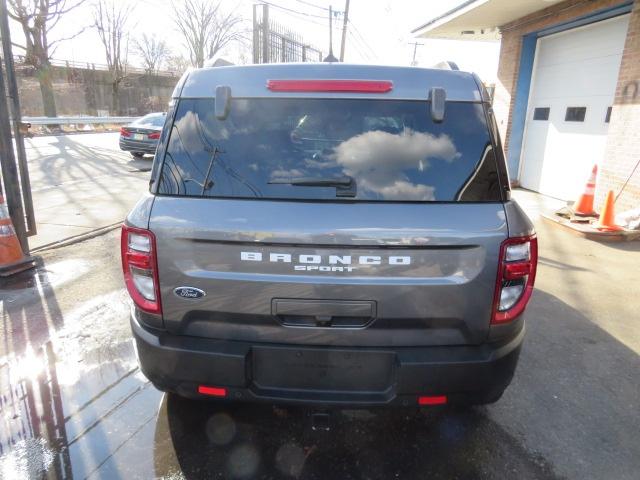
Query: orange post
point(606, 221)
point(12, 259)
point(584, 205)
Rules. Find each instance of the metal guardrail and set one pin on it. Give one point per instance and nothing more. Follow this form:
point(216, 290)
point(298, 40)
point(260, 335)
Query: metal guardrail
point(76, 120)
point(19, 60)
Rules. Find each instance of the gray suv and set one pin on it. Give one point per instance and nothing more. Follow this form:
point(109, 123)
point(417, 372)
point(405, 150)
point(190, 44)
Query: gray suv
point(329, 234)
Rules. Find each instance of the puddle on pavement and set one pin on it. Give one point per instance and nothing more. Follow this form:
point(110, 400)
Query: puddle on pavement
point(51, 275)
point(58, 401)
point(55, 403)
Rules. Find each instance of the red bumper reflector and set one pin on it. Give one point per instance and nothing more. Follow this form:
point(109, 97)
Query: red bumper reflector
point(213, 391)
point(433, 400)
point(357, 86)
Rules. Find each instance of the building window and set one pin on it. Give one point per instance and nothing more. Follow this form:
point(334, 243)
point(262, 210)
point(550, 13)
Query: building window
point(541, 113)
point(607, 117)
point(575, 114)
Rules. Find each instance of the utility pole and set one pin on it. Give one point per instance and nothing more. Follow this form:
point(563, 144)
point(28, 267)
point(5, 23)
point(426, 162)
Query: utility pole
point(12, 85)
point(330, 57)
point(344, 29)
point(10, 171)
point(415, 47)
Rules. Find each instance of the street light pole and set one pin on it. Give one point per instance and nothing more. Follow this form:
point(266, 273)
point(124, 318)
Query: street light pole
point(330, 57)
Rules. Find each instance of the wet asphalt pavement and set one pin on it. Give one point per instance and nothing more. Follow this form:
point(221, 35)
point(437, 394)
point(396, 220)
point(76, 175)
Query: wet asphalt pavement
point(73, 403)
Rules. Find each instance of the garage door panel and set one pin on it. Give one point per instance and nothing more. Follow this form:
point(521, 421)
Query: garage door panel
point(589, 78)
point(584, 43)
point(577, 68)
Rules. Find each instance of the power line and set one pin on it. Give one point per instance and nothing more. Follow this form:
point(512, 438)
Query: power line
point(364, 42)
point(299, 15)
point(358, 46)
point(359, 35)
point(298, 12)
point(312, 5)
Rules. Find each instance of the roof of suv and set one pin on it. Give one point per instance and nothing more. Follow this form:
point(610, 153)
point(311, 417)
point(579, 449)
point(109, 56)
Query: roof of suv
point(409, 83)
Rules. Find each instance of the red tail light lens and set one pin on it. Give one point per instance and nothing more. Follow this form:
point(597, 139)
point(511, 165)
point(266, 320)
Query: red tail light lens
point(516, 275)
point(140, 267)
point(124, 132)
point(432, 400)
point(154, 136)
point(212, 391)
point(351, 86)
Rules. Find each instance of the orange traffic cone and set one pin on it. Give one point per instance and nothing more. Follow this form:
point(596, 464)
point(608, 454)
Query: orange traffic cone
point(584, 206)
point(12, 260)
point(606, 222)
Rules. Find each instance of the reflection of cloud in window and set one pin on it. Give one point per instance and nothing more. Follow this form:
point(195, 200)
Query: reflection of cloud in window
point(378, 160)
point(403, 190)
point(286, 174)
point(187, 133)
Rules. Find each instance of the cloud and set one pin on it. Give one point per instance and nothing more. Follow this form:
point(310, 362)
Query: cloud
point(403, 190)
point(379, 159)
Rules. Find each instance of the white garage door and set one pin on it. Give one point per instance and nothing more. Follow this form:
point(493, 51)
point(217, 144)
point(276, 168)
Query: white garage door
point(573, 84)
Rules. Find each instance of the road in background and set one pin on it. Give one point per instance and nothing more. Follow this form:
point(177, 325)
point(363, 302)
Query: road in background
point(81, 183)
point(73, 403)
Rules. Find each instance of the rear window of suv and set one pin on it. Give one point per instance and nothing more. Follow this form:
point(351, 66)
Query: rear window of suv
point(280, 148)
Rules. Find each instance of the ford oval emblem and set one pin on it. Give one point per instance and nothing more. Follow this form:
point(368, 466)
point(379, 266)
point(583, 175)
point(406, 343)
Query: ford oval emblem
point(189, 292)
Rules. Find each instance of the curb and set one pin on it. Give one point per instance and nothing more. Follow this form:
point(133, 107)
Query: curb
point(76, 238)
point(588, 232)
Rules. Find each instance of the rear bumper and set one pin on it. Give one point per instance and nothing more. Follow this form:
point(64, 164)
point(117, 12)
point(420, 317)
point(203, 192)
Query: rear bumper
point(466, 374)
point(138, 146)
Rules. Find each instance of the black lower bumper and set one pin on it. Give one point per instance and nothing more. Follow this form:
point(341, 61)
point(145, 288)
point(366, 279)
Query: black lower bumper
point(326, 375)
point(138, 146)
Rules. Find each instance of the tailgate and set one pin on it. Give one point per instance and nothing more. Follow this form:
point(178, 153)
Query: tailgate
point(327, 273)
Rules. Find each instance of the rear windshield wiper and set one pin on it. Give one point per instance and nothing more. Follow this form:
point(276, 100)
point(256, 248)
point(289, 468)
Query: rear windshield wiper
point(345, 186)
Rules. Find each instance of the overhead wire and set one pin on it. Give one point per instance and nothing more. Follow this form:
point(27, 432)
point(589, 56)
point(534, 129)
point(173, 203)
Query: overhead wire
point(364, 42)
point(313, 5)
point(291, 10)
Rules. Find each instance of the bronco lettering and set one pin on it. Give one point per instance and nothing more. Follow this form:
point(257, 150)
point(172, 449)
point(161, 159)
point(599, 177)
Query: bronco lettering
point(315, 259)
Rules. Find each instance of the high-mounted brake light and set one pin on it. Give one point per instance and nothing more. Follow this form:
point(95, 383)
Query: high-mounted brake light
point(516, 275)
point(351, 86)
point(154, 136)
point(124, 132)
point(140, 268)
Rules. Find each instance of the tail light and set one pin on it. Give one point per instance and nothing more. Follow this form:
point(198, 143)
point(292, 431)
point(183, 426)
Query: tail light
point(516, 275)
point(140, 267)
point(154, 136)
point(124, 132)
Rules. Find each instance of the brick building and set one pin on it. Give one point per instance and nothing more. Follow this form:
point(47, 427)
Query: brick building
point(567, 94)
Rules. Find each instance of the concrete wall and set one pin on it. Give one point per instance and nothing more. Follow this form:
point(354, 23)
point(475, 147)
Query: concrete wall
point(87, 91)
point(623, 148)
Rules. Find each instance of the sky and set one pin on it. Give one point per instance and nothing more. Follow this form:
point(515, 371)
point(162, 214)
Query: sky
point(379, 32)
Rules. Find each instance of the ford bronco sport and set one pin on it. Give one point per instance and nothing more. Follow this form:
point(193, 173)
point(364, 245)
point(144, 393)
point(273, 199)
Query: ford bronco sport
point(329, 234)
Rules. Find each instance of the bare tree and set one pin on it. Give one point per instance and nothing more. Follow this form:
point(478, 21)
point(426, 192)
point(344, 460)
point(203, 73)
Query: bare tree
point(178, 64)
point(38, 18)
point(110, 19)
point(206, 27)
point(154, 52)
